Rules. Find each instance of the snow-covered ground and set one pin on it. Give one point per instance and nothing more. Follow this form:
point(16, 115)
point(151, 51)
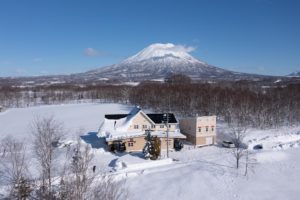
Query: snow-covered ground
point(193, 173)
point(16, 121)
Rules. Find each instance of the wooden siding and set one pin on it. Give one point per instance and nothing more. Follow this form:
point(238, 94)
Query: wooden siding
point(140, 119)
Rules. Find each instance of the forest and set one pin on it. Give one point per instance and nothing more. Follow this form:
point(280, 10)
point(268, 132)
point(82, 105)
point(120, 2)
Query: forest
point(259, 106)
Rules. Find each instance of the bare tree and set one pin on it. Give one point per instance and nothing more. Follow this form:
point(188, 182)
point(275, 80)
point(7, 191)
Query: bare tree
point(76, 182)
point(14, 165)
point(46, 132)
point(80, 165)
point(110, 189)
point(125, 91)
point(81, 182)
point(237, 135)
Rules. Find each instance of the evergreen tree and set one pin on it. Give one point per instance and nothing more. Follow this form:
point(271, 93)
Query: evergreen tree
point(152, 147)
point(155, 150)
point(148, 145)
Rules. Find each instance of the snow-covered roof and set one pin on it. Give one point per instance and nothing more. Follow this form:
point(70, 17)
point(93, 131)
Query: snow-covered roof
point(157, 118)
point(125, 135)
point(116, 126)
point(120, 125)
point(172, 134)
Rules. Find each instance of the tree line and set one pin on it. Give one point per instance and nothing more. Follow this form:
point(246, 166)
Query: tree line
point(54, 94)
point(261, 106)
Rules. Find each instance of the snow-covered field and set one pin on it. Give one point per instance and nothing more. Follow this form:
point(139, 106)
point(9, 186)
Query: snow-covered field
point(194, 173)
point(89, 116)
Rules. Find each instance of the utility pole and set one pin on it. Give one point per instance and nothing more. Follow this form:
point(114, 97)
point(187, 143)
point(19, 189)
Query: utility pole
point(166, 120)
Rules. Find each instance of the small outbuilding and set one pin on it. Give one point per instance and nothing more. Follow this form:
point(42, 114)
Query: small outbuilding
point(199, 131)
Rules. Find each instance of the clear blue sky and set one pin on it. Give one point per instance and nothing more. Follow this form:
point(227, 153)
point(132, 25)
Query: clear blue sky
point(59, 36)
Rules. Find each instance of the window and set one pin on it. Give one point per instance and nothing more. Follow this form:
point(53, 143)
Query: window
point(212, 128)
point(144, 126)
point(170, 126)
point(130, 144)
point(199, 129)
point(206, 128)
point(152, 126)
point(162, 126)
point(136, 126)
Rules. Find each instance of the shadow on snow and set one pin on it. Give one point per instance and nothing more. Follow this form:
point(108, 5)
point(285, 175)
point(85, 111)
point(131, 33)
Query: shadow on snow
point(92, 139)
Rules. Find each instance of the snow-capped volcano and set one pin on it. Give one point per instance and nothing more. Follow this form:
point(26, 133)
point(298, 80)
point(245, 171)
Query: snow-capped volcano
point(158, 61)
point(155, 62)
point(169, 52)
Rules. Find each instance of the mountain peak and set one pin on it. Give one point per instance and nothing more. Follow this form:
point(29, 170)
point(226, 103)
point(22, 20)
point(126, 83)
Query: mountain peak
point(158, 61)
point(167, 52)
point(295, 74)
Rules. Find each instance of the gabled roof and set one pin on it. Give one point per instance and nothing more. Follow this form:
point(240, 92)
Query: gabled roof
point(117, 123)
point(159, 118)
point(132, 113)
point(116, 116)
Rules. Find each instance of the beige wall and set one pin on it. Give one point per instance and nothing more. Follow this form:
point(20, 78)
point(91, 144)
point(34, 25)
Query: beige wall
point(164, 143)
point(138, 143)
point(141, 119)
point(190, 127)
point(202, 140)
point(172, 127)
point(207, 125)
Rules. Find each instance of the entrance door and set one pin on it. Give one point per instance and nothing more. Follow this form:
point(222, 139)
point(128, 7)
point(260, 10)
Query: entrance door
point(209, 140)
